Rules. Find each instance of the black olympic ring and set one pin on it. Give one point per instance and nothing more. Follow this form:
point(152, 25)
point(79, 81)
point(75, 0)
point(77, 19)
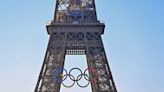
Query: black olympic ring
point(90, 78)
point(77, 77)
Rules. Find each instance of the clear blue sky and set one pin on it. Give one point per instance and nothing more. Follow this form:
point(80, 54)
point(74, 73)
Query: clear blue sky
point(133, 39)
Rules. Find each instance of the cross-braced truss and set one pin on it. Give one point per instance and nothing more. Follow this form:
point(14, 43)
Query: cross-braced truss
point(75, 10)
point(75, 30)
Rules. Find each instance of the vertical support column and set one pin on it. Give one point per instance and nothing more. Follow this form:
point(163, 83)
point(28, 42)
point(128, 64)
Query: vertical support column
point(96, 59)
point(54, 58)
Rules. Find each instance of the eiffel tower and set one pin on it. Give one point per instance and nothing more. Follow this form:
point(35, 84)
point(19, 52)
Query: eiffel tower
point(75, 30)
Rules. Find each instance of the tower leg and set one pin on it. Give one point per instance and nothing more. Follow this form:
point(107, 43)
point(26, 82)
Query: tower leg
point(54, 58)
point(97, 60)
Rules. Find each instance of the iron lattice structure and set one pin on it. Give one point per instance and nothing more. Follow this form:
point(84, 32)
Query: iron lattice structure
point(75, 30)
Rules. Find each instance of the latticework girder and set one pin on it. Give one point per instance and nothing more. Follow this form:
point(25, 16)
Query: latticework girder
point(75, 31)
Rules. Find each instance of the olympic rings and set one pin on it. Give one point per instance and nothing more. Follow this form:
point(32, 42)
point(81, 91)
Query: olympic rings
point(91, 77)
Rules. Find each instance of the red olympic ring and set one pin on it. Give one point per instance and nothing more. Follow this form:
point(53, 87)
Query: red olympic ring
point(92, 71)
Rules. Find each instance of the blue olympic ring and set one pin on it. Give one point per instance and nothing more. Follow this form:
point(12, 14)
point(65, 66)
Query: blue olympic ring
point(55, 74)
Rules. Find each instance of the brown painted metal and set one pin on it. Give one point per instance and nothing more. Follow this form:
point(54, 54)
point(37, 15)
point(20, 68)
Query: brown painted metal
point(75, 35)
